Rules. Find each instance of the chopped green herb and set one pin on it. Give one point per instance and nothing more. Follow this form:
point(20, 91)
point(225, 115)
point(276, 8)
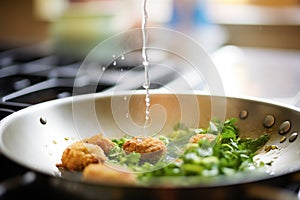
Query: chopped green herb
point(226, 154)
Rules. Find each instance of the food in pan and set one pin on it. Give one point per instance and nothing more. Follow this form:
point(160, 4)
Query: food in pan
point(151, 149)
point(217, 150)
point(103, 142)
point(101, 173)
point(198, 137)
point(79, 155)
point(186, 152)
point(82, 153)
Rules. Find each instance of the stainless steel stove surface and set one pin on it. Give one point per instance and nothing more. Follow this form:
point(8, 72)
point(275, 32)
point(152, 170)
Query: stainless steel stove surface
point(34, 74)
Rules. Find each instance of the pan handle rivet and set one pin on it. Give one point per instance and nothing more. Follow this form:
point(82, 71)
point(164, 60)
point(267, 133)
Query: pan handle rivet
point(243, 114)
point(43, 120)
point(269, 121)
point(293, 137)
point(284, 127)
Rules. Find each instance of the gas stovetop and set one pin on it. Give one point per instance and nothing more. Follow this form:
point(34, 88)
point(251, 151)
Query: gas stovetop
point(31, 75)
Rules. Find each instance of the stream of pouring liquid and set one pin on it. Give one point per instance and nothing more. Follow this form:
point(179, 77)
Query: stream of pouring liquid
point(146, 84)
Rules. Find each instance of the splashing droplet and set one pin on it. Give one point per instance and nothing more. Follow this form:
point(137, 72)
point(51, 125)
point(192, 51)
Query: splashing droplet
point(145, 85)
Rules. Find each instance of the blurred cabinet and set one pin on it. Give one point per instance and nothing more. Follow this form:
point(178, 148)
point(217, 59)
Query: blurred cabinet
point(19, 25)
point(261, 2)
point(259, 23)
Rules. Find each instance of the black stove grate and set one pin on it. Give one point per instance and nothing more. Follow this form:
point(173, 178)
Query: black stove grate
point(29, 76)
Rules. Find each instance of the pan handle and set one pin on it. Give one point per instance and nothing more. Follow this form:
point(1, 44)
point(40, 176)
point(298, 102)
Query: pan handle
point(16, 182)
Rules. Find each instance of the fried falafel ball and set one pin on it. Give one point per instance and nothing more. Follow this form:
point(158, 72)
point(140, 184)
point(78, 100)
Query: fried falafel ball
point(103, 142)
point(79, 155)
point(150, 148)
point(102, 173)
point(208, 136)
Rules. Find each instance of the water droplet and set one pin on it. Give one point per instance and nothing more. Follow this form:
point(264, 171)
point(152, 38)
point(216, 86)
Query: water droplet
point(121, 69)
point(103, 68)
point(127, 115)
point(122, 57)
point(113, 55)
point(145, 63)
point(43, 120)
point(125, 98)
point(114, 63)
point(146, 85)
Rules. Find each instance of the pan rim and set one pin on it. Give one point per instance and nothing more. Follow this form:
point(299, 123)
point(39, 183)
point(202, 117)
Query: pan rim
point(104, 94)
point(7, 120)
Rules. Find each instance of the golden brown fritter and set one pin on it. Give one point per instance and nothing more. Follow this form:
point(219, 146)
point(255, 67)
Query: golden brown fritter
point(150, 148)
point(196, 138)
point(103, 142)
point(102, 173)
point(79, 154)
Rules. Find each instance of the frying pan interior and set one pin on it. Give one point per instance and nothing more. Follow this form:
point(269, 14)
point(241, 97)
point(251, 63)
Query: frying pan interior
point(35, 137)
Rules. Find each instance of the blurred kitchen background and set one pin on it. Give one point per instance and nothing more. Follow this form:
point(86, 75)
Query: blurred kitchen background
point(254, 43)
